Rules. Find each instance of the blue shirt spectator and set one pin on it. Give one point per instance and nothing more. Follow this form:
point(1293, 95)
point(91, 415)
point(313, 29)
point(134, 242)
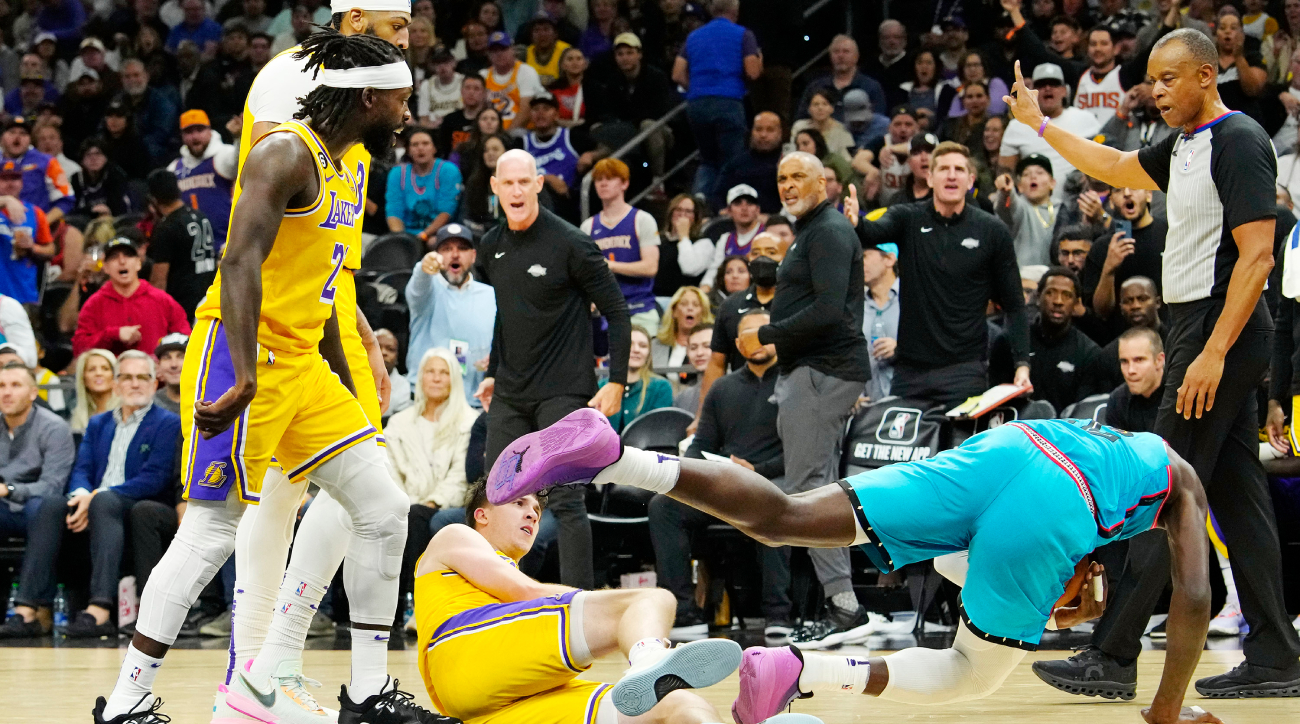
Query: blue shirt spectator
point(155, 111)
point(32, 91)
point(450, 309)
point(44, 182)
point(64, 20)
point(197, 26)
point(423, 193)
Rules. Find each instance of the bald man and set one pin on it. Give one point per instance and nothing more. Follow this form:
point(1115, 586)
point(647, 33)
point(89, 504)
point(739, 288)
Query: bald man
point(755, 167)
point(546, 272)
point(1218, 175)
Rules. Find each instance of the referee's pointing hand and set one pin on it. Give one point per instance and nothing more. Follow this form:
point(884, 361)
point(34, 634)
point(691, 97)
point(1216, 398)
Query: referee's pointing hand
point(1023, 102)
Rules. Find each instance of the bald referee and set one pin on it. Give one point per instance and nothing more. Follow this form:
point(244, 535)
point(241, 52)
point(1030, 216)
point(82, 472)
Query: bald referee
point(1218, 175)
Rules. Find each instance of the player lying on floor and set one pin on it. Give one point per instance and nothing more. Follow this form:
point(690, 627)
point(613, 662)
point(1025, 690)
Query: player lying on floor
point(1029, 500)
point(497, 646)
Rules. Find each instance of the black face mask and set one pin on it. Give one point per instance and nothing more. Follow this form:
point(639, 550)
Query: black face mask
point(763, 271)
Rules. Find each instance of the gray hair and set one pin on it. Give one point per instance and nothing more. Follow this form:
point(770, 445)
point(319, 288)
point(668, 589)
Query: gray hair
point(1198, 44)
point(137, 354)
point(842, 38)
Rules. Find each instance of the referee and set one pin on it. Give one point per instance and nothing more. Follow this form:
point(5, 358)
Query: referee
point(1218, 175)
point(546, 274)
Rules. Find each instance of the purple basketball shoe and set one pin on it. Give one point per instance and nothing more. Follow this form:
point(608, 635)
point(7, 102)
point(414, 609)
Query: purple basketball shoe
point(572, 450)
point(769, 681)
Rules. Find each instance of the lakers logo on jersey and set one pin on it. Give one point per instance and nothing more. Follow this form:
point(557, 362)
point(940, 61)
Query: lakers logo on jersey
point(215, 475)
point(343, 212)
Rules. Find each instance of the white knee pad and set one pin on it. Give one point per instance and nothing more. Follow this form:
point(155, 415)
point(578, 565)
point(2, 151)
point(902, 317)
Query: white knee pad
point(358, 480)
point(972, 669)
point(953, 566)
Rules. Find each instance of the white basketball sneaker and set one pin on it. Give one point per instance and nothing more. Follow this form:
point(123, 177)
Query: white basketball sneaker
point(281, 698)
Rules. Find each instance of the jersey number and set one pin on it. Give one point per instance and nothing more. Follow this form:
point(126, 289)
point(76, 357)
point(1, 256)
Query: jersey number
point(205, 260)
point(1110, 434)
point(327, 294)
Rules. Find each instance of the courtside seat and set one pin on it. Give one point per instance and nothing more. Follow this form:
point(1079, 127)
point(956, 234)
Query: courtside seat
point(659, 430)
point(393, 251)
point(1092, 407)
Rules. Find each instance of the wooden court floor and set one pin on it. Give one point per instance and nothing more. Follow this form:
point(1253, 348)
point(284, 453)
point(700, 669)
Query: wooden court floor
point(49, 685)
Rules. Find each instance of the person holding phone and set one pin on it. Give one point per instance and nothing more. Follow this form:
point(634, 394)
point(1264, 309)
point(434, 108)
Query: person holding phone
point(1131, 247)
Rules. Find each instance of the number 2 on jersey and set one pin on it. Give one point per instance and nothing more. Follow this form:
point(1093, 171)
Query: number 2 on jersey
point(327, 294)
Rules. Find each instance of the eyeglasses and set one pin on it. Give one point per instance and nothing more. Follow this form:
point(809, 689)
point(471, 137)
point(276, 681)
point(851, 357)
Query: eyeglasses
point(134, 378)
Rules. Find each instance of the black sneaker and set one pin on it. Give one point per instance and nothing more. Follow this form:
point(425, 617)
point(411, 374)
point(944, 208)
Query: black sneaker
point(1157, 631)
point(193, 622)
point(838, 628)
point(689, 626)
point(1249, 681)
point(144, 716)
point(777, 631)
point(1091, 672)
point(391, 706)
point(17, 628)
point(85, 627)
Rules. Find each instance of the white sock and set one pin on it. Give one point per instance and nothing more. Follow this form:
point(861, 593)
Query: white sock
point(300, 594)
point(646, 646)
point(647, 470)
point(1225, 567)
point(369, 663)
point(134, 684)
point(253, 608)
point(828, 673)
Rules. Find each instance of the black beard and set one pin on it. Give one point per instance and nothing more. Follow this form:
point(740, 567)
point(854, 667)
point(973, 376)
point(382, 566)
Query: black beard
point(379, 142)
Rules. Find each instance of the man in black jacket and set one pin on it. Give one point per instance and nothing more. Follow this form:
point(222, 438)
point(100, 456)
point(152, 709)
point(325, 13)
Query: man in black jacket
point(955, 259)
point(546, 273)
point(816, 326)
point(638, 95)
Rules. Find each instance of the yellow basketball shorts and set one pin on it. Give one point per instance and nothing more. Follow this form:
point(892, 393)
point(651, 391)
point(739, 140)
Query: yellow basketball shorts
point(302, 415)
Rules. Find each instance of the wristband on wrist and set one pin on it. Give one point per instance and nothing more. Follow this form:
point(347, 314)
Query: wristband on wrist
point(1042, 128)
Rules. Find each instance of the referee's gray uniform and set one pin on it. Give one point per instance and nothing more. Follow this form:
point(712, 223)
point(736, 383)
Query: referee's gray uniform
point(1216, 179)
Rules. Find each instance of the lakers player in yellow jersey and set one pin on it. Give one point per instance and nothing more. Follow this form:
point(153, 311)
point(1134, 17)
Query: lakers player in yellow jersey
point(267, 377)
point(497, 647)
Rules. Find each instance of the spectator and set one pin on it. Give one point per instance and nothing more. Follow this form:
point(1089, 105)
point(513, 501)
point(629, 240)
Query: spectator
point(153, 111)
point(424, 192)
point(128, 312)
point(629, 239)
point(170, 353)
point(1239, 91)
point(135, 15)
point(1073, 245)
point(471, 49)
point(1020, 140)
point(318, 13)
point(731, 277)
point(95, 371)
point(16, 332)
point(44, 183)
point(64, 20)
point(300, 27)
point(1133, 405)
point(1063, 363)
point(943, 339)
point(570, 89)
point(253, 18)
point(183, 245)
point(457, 126)
point(1278, 48)
point(400, 396)
point(440, 93)
point(953, 41)
point(598, 38)
point(449, 308)
point(861, 120)
point(684, 257)
point(1137, 123)
point(880, 316)
point(968, 128)
point(488, 13)
point(259, 51)
point(738, 421)
point(101, 186)
point(27, 236)
point(713, 67)
point(561, 154)
point(952, 101)
point(92, 55)
point(746, 223)
point(482, 209)
point(49, 141)
point(699, 349)
point(205, 174)
point(83, 108)
point(1026, 206)
point(636, 97)
point(843, 76)
point(755, 166)
point(922, 88)
point(688, 309)
point(1284, 139)
point(222, 84)
point(196, 27)
point(1064, 36)
point(126, 456)
point(558, 10)
point(36, 457)
point(645, 390)
point(1139, 306)
point(511, 84)
point(821, 103)
point(890, 152)
point(891, 67)
point(987, 153)
point(546, 49)
point(1125, 255)
point(419, 50)
point(45, 46)
point(915, 185)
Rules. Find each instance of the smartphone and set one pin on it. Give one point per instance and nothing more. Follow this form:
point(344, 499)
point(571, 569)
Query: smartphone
point(1123, 225)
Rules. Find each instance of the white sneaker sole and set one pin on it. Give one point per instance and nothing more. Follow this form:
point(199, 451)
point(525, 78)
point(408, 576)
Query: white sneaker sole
point(698, 665)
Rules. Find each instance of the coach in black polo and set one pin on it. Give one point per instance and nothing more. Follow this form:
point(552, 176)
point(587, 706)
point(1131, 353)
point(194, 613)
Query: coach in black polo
point(1218, 175)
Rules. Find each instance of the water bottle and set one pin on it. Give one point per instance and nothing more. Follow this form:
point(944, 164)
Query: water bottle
point(60, 613)
point(410, 609)
point(13, 601)
point(877, 332)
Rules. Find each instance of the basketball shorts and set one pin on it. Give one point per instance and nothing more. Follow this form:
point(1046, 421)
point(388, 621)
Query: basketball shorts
point(1019, 514)
point(345, 302)
point(509, 663)
point(302, 416)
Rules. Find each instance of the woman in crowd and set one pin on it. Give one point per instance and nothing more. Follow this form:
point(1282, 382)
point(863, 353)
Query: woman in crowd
point(968, 128)
point(645, 390)
point(985, 154)
point(465, 155)
point(921, 89)
point(420, 49)
point(810, 140)
point(731, 277)
point(821, 106)
point(479, 208)
point(489, 14)
point(96, 371)
point(1278, 47)
point(569, 89)
point(150, 51)
point(683, 255)
point(598, 38)
point(101, 186)
point(122, 144)
point(698, 354)
point(424, 9)
point(427, 443)
point(471, 49)
point(688, 309)
point(970, 69)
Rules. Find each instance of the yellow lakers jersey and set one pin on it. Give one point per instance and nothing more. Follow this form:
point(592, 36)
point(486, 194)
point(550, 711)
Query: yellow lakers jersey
point(549, 71)
point(504, 96)
point(300, 276)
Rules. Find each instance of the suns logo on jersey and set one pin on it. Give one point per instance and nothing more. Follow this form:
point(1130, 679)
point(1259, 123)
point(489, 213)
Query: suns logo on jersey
point(215, 475)
point(345, 213)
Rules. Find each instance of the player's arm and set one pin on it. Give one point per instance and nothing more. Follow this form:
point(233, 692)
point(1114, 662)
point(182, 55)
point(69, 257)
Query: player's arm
point(278, 171)
point(331, 348)
point(1119, 169)
point(1183, 518)
point(464, 551)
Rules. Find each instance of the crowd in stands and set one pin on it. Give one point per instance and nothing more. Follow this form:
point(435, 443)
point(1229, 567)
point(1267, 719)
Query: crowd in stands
point(120, 141)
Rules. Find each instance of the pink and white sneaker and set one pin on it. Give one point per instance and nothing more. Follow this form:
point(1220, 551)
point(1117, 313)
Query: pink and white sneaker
point(769, 681)
point(570, 451)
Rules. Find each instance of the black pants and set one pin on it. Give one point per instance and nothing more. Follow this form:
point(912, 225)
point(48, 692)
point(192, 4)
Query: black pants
point(107, 517)
point(946, 387)
point(510, 419)
point(671, 526)
point(417, 539)
point(153, 525)
point(1223, 446)
point(42, 521)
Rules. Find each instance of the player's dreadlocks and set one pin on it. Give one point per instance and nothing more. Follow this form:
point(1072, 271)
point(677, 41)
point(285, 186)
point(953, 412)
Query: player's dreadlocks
point(327, 48)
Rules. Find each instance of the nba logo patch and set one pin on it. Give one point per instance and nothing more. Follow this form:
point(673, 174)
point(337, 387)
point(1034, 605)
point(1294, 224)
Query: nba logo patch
point(285, 608)
point(1187, 163)
point(899, 426)
point(302, 587)
point(135, 673)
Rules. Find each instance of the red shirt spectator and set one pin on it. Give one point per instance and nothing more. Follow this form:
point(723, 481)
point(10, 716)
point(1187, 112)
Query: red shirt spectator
point(127, 313)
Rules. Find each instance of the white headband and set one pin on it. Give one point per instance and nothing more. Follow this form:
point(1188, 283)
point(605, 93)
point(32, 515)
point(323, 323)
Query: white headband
point(381, 77)
point(396, 6)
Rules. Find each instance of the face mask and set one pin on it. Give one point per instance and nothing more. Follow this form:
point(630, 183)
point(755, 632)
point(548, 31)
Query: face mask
point(763, 271)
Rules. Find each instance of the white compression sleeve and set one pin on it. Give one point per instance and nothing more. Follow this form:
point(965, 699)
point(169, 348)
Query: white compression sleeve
point(644, 469)
point(261, 547)
point(953, 566)
point(972, 669)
